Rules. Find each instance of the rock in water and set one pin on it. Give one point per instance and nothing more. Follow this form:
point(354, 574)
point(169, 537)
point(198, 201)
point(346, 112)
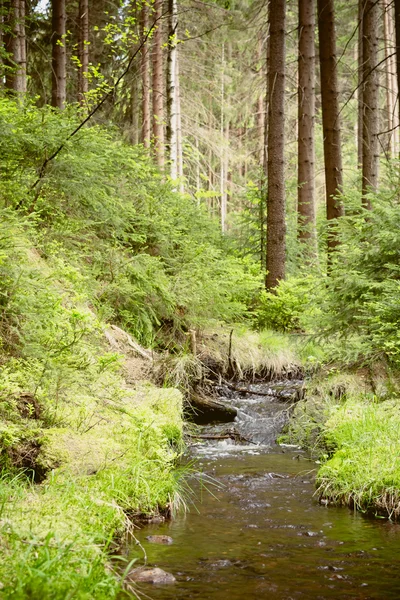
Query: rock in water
point(150, 575)
point(160, 539)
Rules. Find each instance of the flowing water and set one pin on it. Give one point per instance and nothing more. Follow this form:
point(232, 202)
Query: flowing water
point(259, 532)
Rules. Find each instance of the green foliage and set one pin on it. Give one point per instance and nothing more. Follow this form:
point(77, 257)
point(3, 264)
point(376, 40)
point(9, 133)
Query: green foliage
point(289, 306)
point(358, 306)
point(103, 219)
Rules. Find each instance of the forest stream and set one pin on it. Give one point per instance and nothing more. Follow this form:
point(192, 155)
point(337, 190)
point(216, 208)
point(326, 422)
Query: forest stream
point(258, 530)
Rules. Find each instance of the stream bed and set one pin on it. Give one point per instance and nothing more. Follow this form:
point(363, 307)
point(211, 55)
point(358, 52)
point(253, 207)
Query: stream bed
point(258, 531)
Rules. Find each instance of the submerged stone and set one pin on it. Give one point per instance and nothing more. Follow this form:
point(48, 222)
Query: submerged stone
point(150, 575)
point(160, 539)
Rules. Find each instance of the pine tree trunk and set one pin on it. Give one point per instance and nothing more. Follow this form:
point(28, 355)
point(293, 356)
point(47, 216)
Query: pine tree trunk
point(276, 228)
point(145, 71)
point(223, 149)
point(360, 85)
point(179, 141)
point(306, 117)
point(59, 54)
point(391, 81)
point(330, 114)
point(158, 87)
point(134, 112)
point(15, 45)
point(83, 82)
point(171, 89)
point(397, 30)
point(370, 162)
point(260, 109)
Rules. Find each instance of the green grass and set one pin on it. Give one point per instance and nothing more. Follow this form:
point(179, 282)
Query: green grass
point(56, 538)
point(364, 470)
point(350, 422)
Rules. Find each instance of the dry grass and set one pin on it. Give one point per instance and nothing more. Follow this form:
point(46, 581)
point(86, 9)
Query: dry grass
point(246, 354)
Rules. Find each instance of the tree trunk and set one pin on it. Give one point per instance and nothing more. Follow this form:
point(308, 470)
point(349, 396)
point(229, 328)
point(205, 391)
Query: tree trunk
point(391, 81)
point(397, 29)
point(223, 150)
point(370, 162)
point(15, 45)
point(134, 112)
point(360, 85)
point(83, 82)
point(145, 71)
point(59, 54)
point(276, 228)
point(330, 115)
point(179, 128)
point(306, 117)
point(260, 110)
point(171, 89)
point(158, 87)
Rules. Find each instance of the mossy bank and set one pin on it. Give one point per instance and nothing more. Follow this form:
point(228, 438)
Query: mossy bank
point(349, 421)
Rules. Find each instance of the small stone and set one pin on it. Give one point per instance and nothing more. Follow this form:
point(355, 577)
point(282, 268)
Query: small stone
point(221, 564)
point(150, 575)
point(157, 519)
point(160, 539)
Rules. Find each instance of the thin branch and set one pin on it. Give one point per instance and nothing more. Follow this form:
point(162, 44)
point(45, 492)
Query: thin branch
point(94, 110)
point(364, 80)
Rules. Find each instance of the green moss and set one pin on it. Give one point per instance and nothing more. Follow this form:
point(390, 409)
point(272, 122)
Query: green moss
point(364, 469)
point(55, 537)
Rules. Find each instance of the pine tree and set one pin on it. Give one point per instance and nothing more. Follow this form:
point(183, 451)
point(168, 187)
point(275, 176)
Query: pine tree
point(276, 228)
point(15, 45)
point(145, 72)
point(158, 86)
point(306, 116)
point(59, 54)
point(370, 140)
point(83, 22)
point(172, 141)
point(330, 114)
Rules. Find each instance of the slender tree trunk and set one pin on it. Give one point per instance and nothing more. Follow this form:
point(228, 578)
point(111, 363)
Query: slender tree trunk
point(59, 54)
point(83, 82)
point(134, 116)
point(145, 71)
point(263, 189)
point(370, 162)
point(171, 89)
point(223, 149)
point(276, 228)
point(158, 87)
point(393, 78)
point(306, 117)
point(260, 109)
point(179, 128)
point(360, 84)
point(391, 82)
point(330, 115)
point(397, 36)
point(15, 45)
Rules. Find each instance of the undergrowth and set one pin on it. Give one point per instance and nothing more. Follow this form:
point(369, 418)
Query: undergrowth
point(101, 239)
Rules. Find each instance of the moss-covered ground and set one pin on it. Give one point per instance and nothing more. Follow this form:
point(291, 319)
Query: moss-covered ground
point(350, 422)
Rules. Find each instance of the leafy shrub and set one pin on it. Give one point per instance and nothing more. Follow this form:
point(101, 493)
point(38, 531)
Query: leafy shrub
point(106, 222)
point(290, 305)
point(360, 307)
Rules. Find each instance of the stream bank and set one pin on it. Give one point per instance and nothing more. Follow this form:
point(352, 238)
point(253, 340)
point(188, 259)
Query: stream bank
point(257, 528)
